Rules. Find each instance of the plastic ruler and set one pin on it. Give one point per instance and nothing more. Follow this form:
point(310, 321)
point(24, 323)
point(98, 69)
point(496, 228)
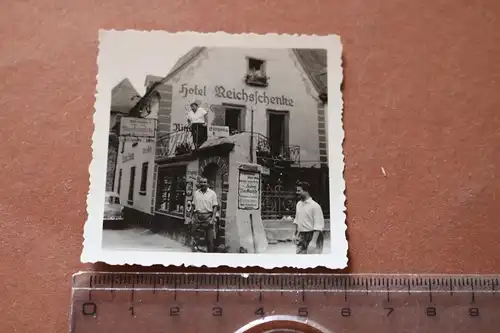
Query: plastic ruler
point(214, 302)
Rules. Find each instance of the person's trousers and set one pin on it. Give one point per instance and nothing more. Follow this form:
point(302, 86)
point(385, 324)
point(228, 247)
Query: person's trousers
point(199, 133)
point(203, 233)
point(303, 240)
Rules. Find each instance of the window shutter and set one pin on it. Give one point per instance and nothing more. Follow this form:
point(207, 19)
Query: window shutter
point(219, 115)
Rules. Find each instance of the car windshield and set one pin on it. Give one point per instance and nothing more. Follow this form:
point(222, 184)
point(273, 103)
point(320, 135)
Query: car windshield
point(112, 200)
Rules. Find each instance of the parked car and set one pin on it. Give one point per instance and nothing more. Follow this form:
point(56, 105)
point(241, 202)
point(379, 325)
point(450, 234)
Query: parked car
point(113, 212)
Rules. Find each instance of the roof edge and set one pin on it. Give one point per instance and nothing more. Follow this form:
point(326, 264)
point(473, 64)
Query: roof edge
point(184, 65)
point(311, 79)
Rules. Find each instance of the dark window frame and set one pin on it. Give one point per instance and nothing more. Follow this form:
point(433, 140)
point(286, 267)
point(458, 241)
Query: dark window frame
point(171, 187)
point(131, 187)
point(119, 187)
point(144, 178)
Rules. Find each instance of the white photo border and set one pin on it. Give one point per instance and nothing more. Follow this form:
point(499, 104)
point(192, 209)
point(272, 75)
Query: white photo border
point(93, 250)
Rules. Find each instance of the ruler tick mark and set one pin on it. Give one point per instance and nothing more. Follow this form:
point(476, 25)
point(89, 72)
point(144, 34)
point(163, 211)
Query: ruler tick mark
point(303, 292)
point(132, 292)
point(473, 300)
point(260, 290)
point(218, 290)
point(175, 289)
point(90, 285)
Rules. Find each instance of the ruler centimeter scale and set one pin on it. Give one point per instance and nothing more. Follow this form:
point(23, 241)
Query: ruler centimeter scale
point(220, 302)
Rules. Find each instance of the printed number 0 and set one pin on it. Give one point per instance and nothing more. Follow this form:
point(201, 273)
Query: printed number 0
point(89, 309)
point(303, 312)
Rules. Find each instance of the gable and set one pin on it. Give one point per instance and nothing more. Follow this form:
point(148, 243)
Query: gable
point(313, 62)
point(123, 97)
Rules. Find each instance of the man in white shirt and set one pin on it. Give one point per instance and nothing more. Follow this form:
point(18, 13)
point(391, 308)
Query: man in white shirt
point(197, 118)
point(309, 222)
point(205, 206)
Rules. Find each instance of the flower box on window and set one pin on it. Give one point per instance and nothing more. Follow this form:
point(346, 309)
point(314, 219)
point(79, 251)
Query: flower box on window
point(256, 80)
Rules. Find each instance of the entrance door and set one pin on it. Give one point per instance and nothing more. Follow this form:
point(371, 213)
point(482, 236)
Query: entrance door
point(277, 131)
point(214, 177)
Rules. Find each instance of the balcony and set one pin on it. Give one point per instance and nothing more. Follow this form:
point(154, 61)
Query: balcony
point(180, 145)
point(269, 152)
point(175, 144)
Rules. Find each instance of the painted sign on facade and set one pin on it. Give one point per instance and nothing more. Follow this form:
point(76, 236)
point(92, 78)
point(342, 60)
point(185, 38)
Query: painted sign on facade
point(243, 95)
point(215, 131)
point(137, 127)
point(128, 157)
point(249, 190)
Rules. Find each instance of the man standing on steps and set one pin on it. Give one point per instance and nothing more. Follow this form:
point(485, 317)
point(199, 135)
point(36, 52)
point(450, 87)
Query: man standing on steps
point(205, 206)
point(197, 118)
point(309, 223)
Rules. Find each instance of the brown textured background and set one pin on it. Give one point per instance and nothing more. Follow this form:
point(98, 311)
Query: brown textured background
point(422, 101)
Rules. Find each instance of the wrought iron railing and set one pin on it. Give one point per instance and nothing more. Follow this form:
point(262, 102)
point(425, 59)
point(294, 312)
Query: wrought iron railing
point(280, 203)
point(269, 150)
point(175, 143)
point(181, 142)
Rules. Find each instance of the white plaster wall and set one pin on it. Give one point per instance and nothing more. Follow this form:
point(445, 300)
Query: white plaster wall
point(143, 152)
point(228, 67)
point(238, 222)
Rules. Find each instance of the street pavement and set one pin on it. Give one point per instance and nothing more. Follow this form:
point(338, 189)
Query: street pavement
point(140, 239)
point(143, 239)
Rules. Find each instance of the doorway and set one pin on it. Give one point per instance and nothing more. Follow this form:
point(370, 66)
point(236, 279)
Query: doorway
point(214, 177)
point(277, 131)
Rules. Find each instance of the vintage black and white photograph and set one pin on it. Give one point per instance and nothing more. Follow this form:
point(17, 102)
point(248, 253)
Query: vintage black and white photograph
point(217, 149)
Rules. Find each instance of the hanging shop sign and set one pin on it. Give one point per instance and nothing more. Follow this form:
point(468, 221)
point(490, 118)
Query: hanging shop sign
point(137, 127)
point(242, 95)
point(215, 131)
point(248, 190)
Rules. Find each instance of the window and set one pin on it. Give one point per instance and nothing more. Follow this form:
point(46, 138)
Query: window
point(119, 182)
point(131, 186)
point(144, 178)
point(256, 73)
point(233, 120)
point(171, 191)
